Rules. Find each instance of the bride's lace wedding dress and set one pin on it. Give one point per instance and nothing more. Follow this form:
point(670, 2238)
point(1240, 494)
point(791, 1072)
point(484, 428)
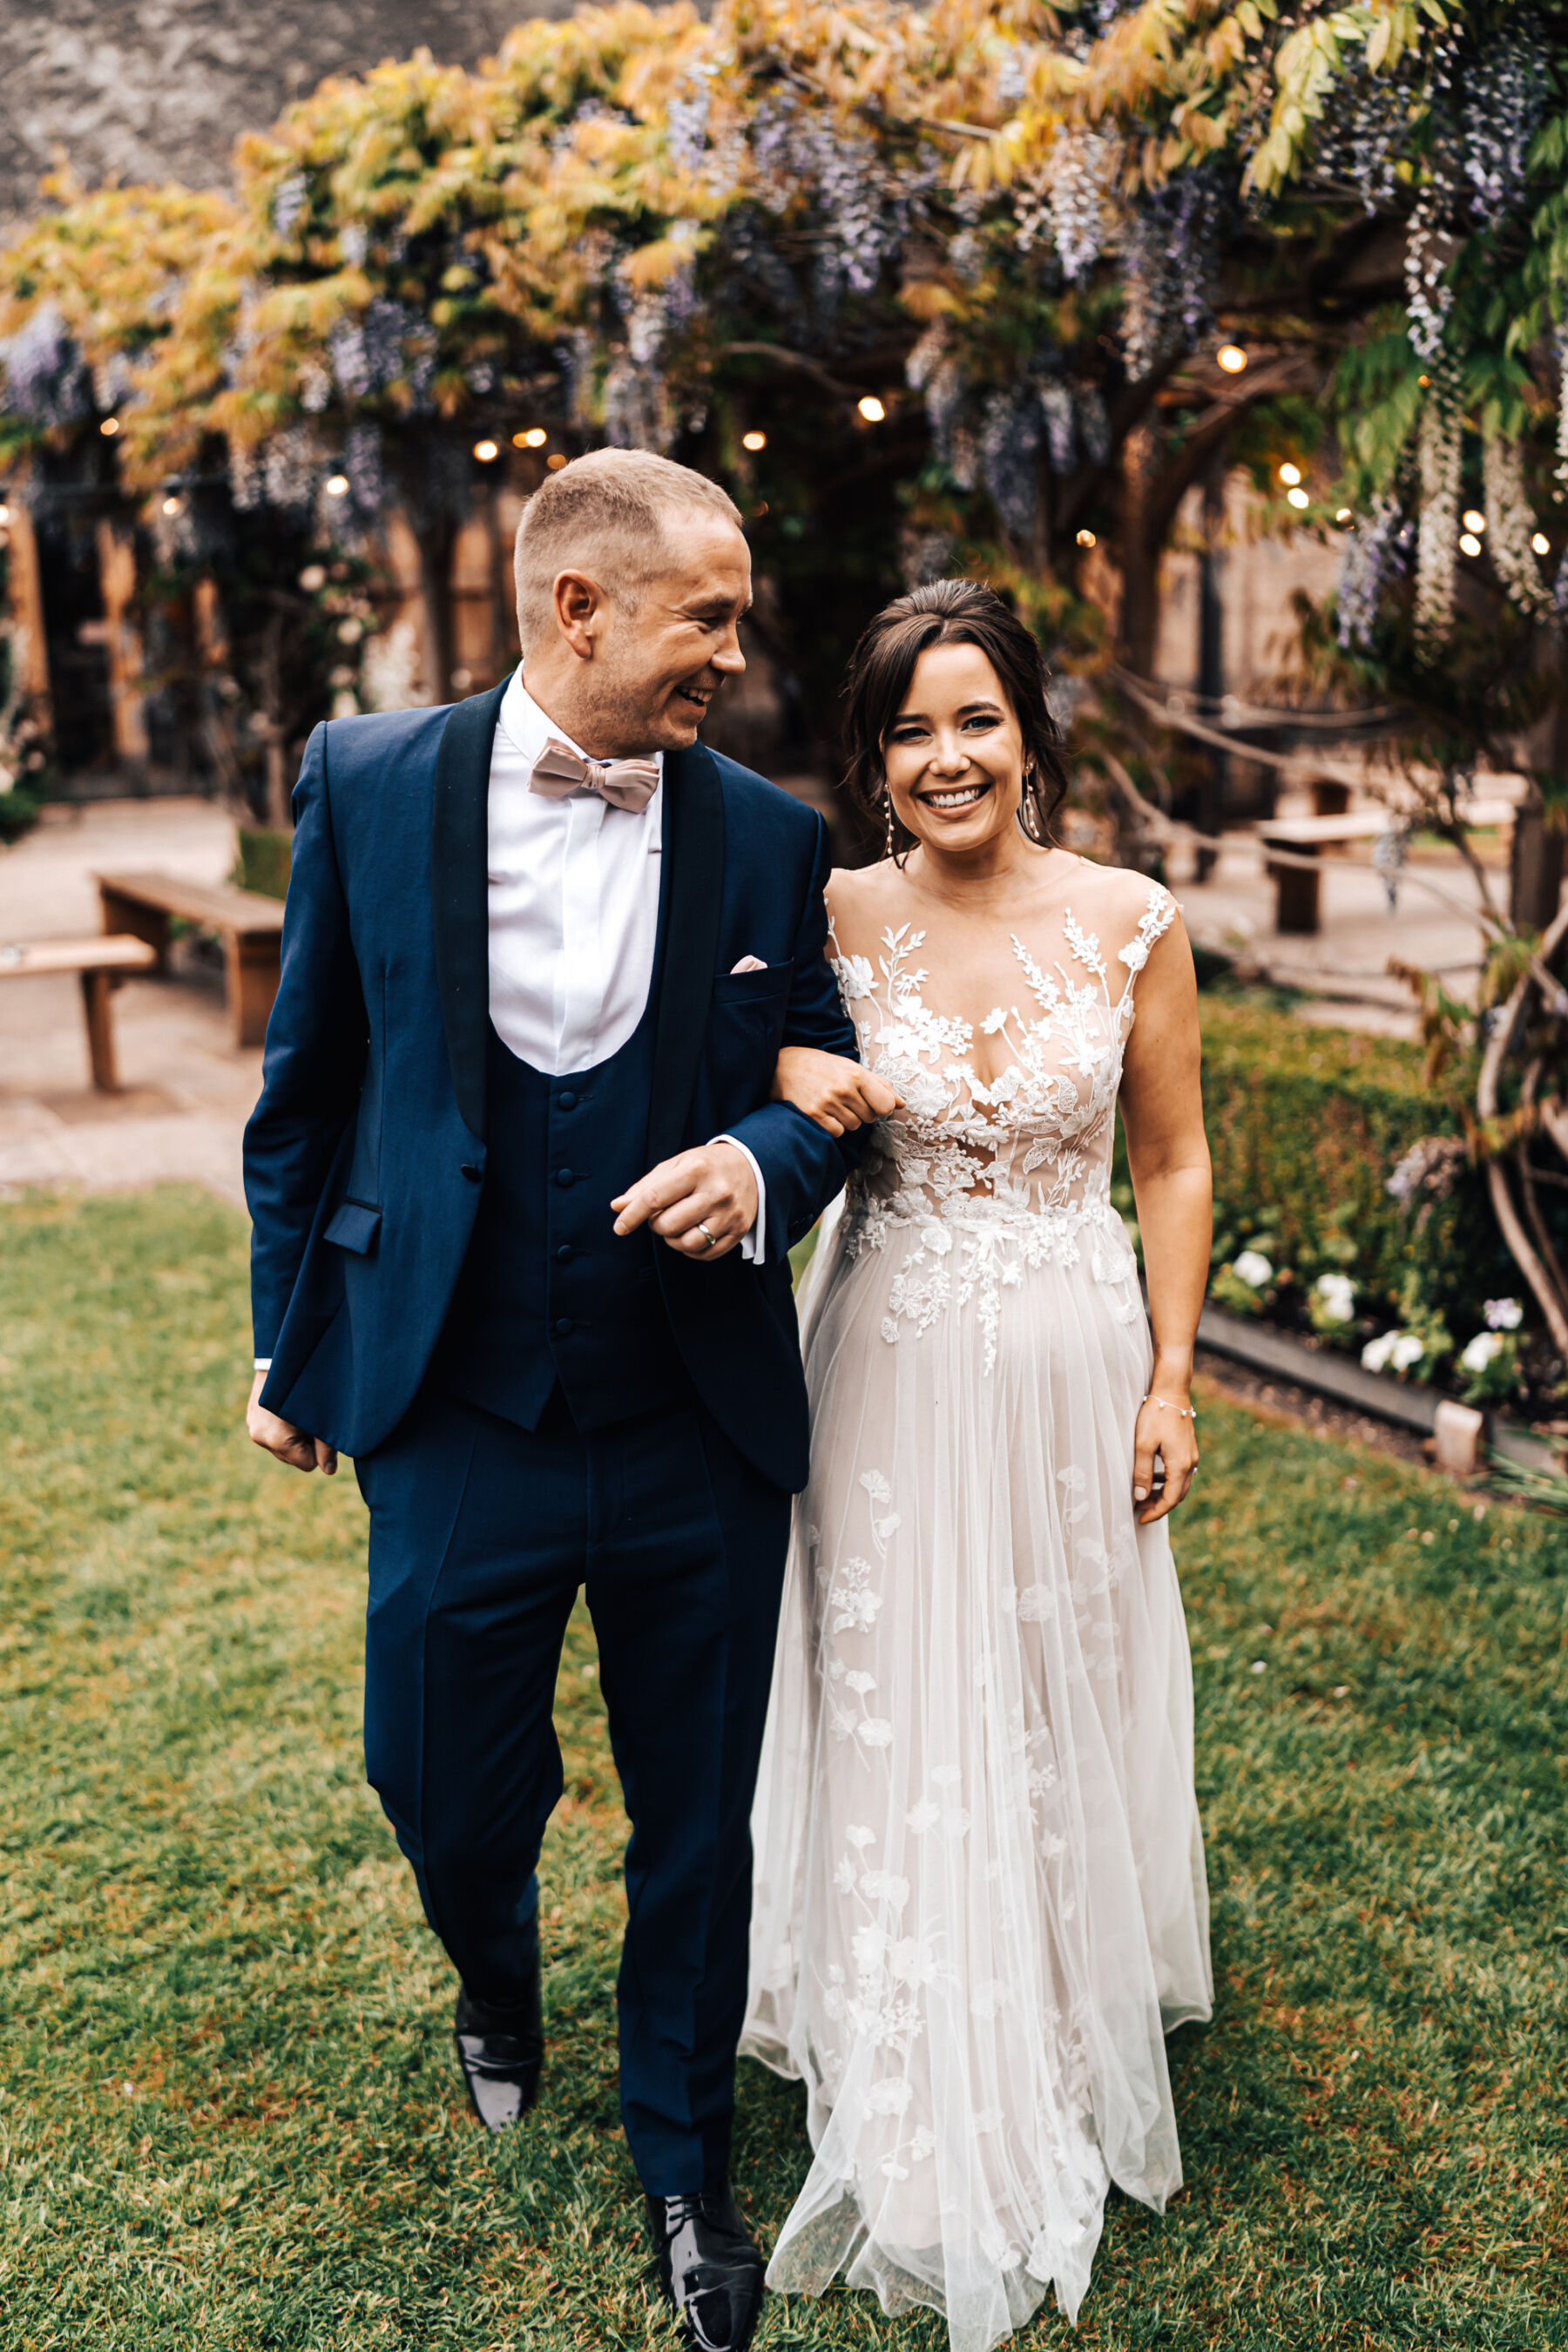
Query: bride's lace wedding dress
point(980, 1899)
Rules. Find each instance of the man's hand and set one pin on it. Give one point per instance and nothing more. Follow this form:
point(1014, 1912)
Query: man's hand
point(830, 1088)
point(713, 1187)
point(282, 1438)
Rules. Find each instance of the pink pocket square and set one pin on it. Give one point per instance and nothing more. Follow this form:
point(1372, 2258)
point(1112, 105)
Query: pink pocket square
point(748, 964)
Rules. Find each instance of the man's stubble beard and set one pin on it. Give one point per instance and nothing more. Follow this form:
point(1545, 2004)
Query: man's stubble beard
point(615, 720)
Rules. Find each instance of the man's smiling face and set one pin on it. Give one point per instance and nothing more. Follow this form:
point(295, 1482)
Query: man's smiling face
point(659, 665)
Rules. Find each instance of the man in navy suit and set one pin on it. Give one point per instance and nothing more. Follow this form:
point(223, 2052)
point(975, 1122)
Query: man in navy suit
point(521, 1206)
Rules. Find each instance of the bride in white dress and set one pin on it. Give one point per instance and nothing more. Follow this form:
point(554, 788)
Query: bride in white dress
point(980, 1902)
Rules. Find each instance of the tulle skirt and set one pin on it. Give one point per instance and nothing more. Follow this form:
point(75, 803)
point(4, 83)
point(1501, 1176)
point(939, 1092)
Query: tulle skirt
point(980, 1901)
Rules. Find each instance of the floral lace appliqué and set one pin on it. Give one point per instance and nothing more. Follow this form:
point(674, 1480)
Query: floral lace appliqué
point(981, 1181)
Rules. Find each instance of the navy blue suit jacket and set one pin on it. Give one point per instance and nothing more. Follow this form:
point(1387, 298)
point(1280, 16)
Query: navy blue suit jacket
point(365, 1153)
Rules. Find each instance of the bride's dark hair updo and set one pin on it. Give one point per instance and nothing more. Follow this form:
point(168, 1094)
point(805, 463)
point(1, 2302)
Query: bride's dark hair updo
point(949, 613)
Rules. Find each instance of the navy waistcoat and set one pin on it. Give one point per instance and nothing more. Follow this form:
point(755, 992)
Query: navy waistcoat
point(549, 1292)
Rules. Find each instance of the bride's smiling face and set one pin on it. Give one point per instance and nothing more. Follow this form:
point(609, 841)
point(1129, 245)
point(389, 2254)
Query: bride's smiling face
point(954, 757)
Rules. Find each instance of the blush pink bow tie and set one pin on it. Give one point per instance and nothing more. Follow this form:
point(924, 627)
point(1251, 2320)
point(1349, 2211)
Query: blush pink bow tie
point(559, 772)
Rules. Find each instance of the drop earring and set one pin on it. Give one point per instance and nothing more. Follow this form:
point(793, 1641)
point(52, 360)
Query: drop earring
point(888, 798)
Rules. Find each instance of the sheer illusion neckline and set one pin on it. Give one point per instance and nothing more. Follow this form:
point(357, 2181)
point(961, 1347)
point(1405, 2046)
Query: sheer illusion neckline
point(1056, 1093)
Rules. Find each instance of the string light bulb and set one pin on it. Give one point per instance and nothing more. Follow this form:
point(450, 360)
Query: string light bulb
point(871, 409)
point(170, 506)
point(1469, 544)
point(1343, 514)
point(555, 460)
point(753, 440)
point(1541, 543)
point(1473, 520)
point(337, 486)
point(1085, 538)
point(4, 514)
point(1290, 473)
point(487, 452)
point(534, 438)
point(1231, 358)
point(110, 428)
point(1298, 497)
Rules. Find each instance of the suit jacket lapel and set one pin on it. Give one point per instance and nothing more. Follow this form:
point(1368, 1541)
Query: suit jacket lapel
point(459, 888)
point(693, 889)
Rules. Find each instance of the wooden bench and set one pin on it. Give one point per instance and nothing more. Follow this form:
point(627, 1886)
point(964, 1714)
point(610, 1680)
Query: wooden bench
point(249, 925)
point(102, 964)
point(1297, 905)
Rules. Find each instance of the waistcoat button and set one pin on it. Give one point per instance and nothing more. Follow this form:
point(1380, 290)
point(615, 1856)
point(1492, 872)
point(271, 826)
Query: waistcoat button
point(566, 1254)
point(475, 1175)
point(564, 1177)
point(563, 1327)
point(568, 1101)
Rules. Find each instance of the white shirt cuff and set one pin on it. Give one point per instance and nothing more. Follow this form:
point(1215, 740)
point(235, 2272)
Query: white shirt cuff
point(264, 1363)
point(754, 1244)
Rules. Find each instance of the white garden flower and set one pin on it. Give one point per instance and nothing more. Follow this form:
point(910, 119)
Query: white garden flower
point(1503, 1314)
point(1336, 1298)
point(1482, 1350)
point(1408, 1348)
point(1253, 1268)
point(1375, 1355)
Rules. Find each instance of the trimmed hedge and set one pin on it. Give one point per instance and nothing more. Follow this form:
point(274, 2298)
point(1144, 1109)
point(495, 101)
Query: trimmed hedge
point(265, 855)
point(1306, 1125)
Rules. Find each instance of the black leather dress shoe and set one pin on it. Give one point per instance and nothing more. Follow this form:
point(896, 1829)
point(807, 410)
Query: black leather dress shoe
point(500, 2052)
point(708, 2267)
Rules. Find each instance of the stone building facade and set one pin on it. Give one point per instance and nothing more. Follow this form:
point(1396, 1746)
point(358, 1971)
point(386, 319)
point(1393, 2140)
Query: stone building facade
point(156, 89)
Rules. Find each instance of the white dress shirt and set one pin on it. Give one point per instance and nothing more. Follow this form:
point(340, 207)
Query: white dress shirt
point(573, 904)
point(574, 916)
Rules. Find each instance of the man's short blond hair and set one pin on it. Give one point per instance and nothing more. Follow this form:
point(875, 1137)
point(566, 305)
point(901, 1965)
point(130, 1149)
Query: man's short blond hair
point(607, 514)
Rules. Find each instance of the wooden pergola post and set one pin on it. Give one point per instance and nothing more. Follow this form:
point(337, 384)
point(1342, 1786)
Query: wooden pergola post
point(122, 642)
point(27, 600)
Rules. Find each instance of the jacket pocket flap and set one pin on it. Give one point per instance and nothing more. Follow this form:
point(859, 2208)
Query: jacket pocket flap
point(753, 987)
point(353, 1227)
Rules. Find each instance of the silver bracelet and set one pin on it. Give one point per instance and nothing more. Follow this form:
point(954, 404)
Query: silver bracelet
point(1187, 1412)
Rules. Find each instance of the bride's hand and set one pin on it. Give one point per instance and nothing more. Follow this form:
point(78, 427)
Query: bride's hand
point(835, 1092)
point(1163, 1429)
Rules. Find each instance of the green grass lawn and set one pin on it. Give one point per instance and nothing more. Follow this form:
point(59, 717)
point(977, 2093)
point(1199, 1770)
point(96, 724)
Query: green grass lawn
point(228, 2115)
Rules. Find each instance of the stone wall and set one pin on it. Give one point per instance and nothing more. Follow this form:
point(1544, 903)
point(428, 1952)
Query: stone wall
point(154, 89)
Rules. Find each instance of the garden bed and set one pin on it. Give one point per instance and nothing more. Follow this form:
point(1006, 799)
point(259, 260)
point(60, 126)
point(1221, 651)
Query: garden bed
point(1351, 1224)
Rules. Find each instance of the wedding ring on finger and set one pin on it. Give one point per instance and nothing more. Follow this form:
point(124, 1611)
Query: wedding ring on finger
point(710, 1241)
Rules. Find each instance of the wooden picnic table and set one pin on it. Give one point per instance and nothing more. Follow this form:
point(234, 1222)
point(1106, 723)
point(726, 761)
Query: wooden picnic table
point(1296, 886)
point(145, 903)
point(102, 964)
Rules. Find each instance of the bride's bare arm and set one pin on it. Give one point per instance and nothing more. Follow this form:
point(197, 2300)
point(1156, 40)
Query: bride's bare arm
point(838, 1094)
point(835, 1092)
point(1168, 1157)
